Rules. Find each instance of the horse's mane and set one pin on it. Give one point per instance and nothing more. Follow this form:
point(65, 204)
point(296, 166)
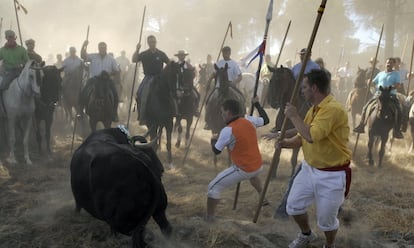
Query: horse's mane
point(25, 72)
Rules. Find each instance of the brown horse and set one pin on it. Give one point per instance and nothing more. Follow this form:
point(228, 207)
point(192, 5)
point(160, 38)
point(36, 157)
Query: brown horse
point(358, 96)
point(281, 88)
point(100, 102)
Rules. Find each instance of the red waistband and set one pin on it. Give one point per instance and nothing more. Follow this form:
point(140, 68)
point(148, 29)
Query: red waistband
point(348, 172)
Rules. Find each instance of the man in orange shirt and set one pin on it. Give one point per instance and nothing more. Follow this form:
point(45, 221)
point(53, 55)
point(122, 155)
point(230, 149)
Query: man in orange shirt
point(325, 174)
point(240, 137)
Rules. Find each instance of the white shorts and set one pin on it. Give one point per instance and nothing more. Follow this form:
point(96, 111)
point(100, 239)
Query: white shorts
point(227, 178)
point(326, 188)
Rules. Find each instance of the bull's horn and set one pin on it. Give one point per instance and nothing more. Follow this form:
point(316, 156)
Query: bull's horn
point(147, 145)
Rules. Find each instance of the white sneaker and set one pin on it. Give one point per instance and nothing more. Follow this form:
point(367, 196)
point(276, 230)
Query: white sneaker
point(302, 240)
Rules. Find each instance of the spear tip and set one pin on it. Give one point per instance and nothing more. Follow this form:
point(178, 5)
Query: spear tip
point(269, 11)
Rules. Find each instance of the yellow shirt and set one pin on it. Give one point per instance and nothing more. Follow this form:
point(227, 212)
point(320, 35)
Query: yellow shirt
point(329, 130)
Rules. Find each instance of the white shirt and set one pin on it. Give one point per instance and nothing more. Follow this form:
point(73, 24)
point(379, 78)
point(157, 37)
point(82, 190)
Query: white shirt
point(123, 63)
point(233, 70)
point(99, 64)
point(70, 64)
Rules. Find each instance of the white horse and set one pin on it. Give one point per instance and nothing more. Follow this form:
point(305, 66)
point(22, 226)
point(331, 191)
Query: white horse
point(247, 84)
point(19, 105)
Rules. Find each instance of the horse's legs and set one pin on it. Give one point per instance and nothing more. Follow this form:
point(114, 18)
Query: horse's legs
point(168, 129)
point(38, 136)
point(28, 125)
point(371, 140)
point(382, 149)
point(12, 139)
point(179, 131)
point(188, 130)
point(48, 126)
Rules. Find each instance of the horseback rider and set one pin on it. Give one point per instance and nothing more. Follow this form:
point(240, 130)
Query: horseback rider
point(234, 76)
point(386, 78)
point(72, 63)
point(99, 63)
point(185, 65)
point(310, 65)
point(14, 57)
point(153, 61)
point(30, 44)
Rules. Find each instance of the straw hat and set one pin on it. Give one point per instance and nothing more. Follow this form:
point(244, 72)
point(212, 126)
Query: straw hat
point(181, 52)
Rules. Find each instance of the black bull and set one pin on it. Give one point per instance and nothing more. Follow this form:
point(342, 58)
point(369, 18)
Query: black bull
point(119, 184)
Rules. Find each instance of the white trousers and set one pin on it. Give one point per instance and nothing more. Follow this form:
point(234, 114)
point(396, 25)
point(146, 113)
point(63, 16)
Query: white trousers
point(227, 178)
point(325, 188)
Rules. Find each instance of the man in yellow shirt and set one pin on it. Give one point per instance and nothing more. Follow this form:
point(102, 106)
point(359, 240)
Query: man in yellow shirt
point(325, 174)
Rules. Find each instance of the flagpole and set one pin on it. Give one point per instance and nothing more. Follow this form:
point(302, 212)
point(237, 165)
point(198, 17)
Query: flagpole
point(18, 23)
point(277, 152)
point(261, 52)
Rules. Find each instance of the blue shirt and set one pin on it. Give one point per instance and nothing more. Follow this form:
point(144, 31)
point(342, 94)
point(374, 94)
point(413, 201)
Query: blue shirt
point(386, 79)
point(309, 67)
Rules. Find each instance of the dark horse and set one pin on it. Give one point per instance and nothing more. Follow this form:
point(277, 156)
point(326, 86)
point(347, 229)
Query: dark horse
point(159, 110)
point(358, 96)
point(45, 105)
point(281, 87)
point(186, 101)
point(223, 91)
point(100, 101)
point(380, 121)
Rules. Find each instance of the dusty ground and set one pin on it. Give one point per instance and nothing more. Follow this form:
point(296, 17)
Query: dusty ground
point(37, 207)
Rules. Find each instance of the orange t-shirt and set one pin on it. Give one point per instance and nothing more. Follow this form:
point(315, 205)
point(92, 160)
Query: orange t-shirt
point(241, 138)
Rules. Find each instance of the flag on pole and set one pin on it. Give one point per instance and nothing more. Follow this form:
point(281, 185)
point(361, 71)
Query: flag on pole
point(260, 52)
point(20, 6)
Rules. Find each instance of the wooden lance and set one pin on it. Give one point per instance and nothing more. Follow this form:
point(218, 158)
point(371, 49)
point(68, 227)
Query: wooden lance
point(411, 68)
point(277, 152)
point(187, 150)
point(75, 123)
point(135, 70)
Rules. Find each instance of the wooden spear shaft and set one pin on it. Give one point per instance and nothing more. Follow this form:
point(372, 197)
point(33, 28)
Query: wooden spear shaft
point(187, 150)
point(369, 83)
point(75, 122)
point(135, 70)
point(411, 68)
point(277, 152)
point(18, 22)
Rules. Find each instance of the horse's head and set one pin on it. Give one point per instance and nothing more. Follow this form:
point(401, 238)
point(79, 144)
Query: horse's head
point(222, 77)
point(30, 78)
point(360, 78)
point(384, 105)
point(281, 86)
